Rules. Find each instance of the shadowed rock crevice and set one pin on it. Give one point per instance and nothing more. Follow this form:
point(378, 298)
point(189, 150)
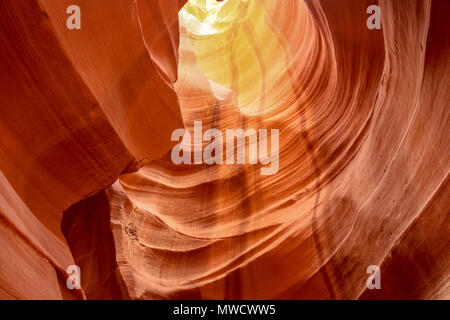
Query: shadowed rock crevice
point(86, 118)
point(87, 228)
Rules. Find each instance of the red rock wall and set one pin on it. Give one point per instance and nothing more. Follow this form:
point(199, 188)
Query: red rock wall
point(86, 118)
point(77, 109)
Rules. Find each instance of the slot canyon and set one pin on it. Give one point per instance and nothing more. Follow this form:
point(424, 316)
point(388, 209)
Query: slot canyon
point(87, 178)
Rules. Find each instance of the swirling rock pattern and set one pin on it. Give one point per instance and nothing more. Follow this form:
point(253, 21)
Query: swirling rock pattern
point(86, 119)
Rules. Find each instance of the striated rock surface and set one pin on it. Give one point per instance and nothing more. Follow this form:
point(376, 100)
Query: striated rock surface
point(78, 107)
point(86, 118)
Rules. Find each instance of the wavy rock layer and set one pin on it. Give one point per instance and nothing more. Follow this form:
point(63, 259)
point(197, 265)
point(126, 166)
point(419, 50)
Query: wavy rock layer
point(77, 109)
point(364, 160)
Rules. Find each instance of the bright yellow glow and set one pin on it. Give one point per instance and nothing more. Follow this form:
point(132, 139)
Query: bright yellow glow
point(211, 16)
point(236, 48)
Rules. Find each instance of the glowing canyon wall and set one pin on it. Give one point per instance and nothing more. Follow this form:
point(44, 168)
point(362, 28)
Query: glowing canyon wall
point(87, 179)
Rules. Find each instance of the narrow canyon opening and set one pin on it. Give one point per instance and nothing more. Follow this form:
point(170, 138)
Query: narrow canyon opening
point(363, 162)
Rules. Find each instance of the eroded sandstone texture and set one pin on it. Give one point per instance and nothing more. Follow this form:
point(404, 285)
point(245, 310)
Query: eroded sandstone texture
point(86, 175)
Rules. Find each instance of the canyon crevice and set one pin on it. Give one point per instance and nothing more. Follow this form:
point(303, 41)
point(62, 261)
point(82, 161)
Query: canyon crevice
point(87, 179)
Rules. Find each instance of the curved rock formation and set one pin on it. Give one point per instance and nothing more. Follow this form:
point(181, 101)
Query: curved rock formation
point(87, 115)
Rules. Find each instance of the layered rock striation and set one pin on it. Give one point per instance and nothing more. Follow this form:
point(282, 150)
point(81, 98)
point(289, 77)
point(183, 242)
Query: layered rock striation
point(87, 178)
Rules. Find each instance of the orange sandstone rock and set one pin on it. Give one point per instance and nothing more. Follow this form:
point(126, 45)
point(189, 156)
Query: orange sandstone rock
point(86, 118)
